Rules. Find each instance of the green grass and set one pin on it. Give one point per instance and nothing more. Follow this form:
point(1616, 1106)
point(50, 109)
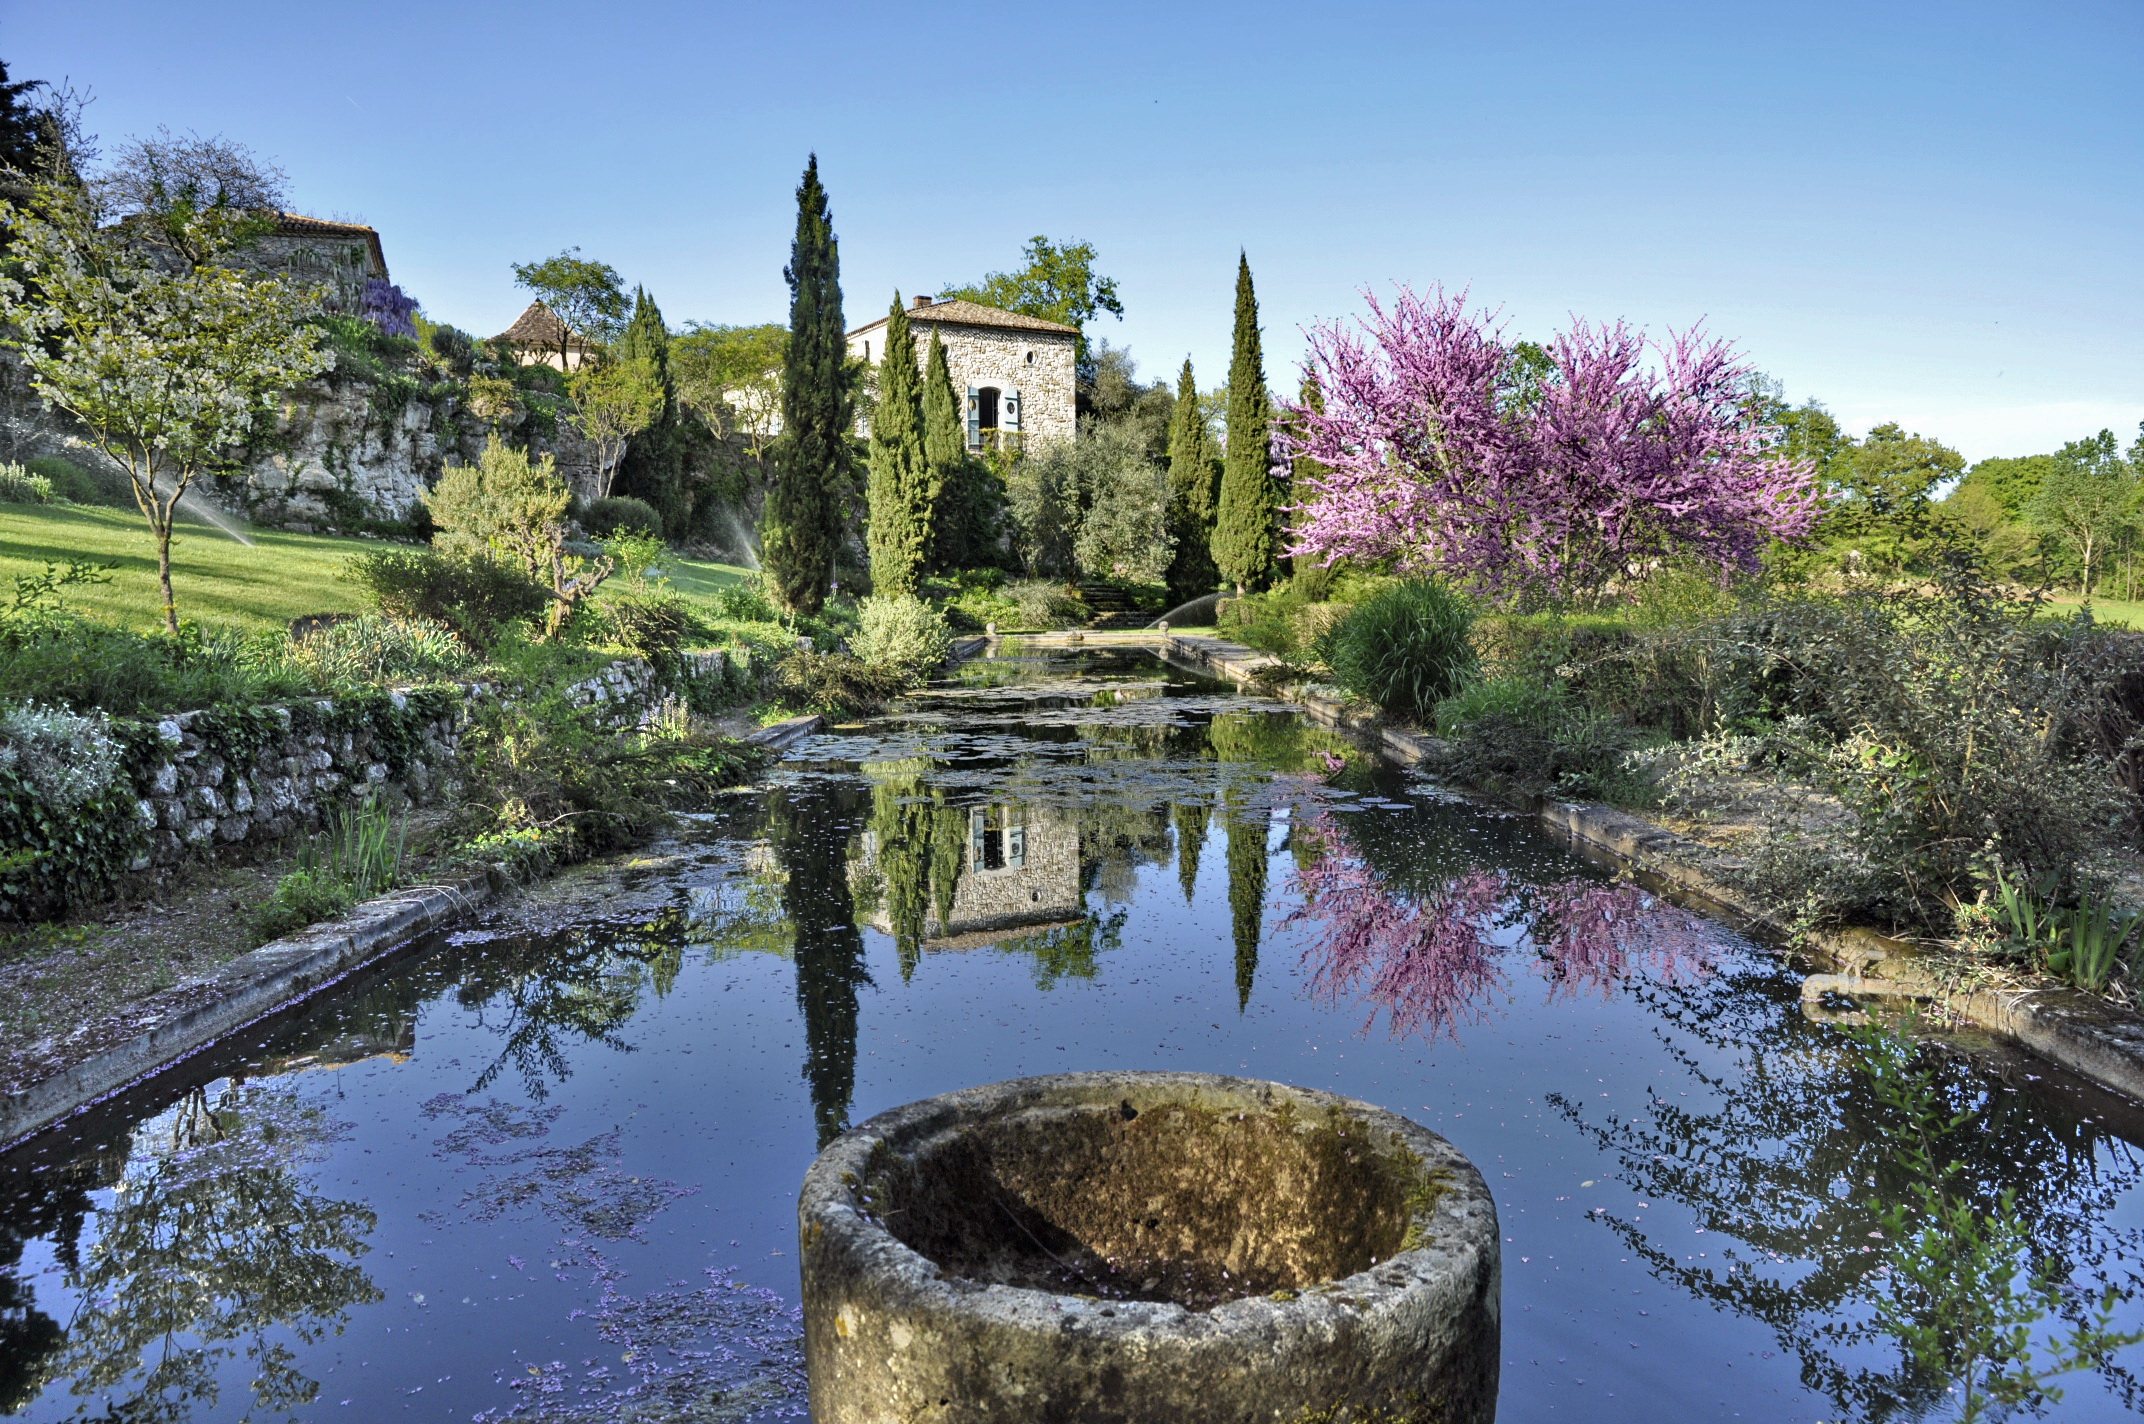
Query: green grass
point(2108, 610)
point(215, 578)
point(218, 580)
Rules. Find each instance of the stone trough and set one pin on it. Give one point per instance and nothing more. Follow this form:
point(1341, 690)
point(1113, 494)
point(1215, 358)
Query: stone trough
point(1148, 1246)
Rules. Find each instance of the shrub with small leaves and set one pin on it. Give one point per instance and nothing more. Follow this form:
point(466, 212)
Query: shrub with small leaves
point(903, 633)
point(70, 757)
point(19, 486)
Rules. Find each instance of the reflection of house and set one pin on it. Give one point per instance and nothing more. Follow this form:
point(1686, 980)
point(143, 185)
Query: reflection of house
point(1018, 371)
point(1019, 872)
point(396, 1046)
point(536, 336)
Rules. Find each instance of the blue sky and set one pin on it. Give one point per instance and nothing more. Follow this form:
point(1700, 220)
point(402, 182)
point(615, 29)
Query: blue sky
point(1927, 213)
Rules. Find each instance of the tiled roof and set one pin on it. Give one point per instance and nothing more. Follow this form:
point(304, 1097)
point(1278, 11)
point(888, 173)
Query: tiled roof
point(299, 225)
point(961, 312)
point(539, 326)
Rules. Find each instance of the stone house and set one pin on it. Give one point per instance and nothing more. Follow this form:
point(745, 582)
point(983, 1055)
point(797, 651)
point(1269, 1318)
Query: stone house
point(1018, 372)
point(1020, 871)
point(538, 336)
point(340, 256)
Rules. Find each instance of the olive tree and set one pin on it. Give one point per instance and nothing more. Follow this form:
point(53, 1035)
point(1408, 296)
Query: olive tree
point(169, 368)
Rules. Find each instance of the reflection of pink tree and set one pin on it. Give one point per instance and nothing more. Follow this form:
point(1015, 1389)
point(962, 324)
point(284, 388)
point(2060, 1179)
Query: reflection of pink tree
point(1427, 960)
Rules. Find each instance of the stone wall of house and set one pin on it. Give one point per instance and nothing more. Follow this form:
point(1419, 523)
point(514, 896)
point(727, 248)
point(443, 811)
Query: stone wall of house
point(1041, 365)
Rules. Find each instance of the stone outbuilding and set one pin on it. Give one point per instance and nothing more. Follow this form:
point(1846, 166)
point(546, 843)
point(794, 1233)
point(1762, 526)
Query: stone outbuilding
point(538, 338)
point(1019, 372)
point(341, 256)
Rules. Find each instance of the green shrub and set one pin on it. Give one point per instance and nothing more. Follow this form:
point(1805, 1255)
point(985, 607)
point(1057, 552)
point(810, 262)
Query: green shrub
point(605, 517)
point(1523, 738)
point(19, 486)
point(361, 854)
point(836, 684)
point(68, 827)
point(476, 596)
point(903, 633)
point(378, 649)
point(1403, 649)
point(78, 484)
point(1045, 604)
point(86, 664)
point(745, 601)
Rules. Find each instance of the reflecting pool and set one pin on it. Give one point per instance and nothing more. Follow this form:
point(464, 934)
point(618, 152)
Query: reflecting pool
point(545, 1166)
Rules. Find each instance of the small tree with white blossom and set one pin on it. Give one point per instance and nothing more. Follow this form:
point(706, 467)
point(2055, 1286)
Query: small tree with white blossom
point(169, 367)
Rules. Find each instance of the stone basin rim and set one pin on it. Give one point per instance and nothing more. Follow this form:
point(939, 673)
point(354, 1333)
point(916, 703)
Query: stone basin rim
point(1460, 1226)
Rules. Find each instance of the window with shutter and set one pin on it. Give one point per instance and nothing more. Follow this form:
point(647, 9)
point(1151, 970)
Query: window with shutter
point(1009, 410)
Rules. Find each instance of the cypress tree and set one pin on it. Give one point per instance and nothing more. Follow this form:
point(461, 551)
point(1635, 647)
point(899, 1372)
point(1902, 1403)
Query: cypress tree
point(801, 529)
point(965, 494)
point(1192, 493)
point(1243, 527)
point(1190, 842)
point(900, 492)
point(654, 464)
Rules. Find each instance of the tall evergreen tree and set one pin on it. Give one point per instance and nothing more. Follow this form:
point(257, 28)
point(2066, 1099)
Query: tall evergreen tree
point(1243, 527)
point(808, 831)
point(800, 532)
point(1192, 492)
point(654, 468)
point(900, 491)
point(964, 522)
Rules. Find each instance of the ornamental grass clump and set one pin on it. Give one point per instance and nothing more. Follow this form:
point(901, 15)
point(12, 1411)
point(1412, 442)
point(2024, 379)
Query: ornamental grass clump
point(374, 651)
point(1406, 648)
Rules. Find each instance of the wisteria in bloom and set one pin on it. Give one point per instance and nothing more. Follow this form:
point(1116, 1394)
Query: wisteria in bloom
point(388, 307)
point(1440, 452)
point(1429, 962)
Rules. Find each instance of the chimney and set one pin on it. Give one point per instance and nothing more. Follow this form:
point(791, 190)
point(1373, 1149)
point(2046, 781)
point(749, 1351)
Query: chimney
point(922, 302)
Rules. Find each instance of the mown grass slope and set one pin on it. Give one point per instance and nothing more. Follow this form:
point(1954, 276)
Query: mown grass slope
point(217, 579)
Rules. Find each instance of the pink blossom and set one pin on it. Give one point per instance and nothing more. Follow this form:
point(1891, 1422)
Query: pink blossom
point(1437, 455)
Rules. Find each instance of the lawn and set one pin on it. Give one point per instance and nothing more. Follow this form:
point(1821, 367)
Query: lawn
point(276, 578)
point(2108, 610)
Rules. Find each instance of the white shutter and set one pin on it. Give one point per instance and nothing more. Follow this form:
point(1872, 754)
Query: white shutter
point(975, 418)
point(1009, 410)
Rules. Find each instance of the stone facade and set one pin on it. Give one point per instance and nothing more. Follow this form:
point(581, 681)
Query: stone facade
point(1018, 374)
point(339, 256)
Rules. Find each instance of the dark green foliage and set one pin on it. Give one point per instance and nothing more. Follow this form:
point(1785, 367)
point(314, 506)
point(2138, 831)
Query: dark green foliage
point(1058, 284)
point(52, 859)
point(836, 684)
point(1190, 822)
point(477, 597)
point(655, 467)
point(1194, 493)
point(78, 484)
point(1243, 525)
point(1405, 649)
point(619, 513)
point(902, 494)
point(802, 529)
point(1523, 738)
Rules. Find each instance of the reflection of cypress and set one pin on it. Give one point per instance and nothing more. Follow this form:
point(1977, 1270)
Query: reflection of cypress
point(1246, 892)
point(921, 844)
point(1190, 840)
point(808, 830)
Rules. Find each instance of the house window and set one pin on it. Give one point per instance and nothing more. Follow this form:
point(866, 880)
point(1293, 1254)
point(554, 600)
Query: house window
point(1030, 358)
point(867, 353)
point(987, 407)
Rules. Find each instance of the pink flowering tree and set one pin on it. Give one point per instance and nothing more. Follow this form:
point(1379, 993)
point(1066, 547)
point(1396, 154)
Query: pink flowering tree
point(1437, 447)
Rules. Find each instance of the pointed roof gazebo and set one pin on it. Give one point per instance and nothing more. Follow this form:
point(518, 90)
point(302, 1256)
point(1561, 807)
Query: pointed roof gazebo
point(539, 338)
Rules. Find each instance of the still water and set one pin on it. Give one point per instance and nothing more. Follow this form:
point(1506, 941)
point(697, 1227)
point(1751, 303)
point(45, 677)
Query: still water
point(546, 1167)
